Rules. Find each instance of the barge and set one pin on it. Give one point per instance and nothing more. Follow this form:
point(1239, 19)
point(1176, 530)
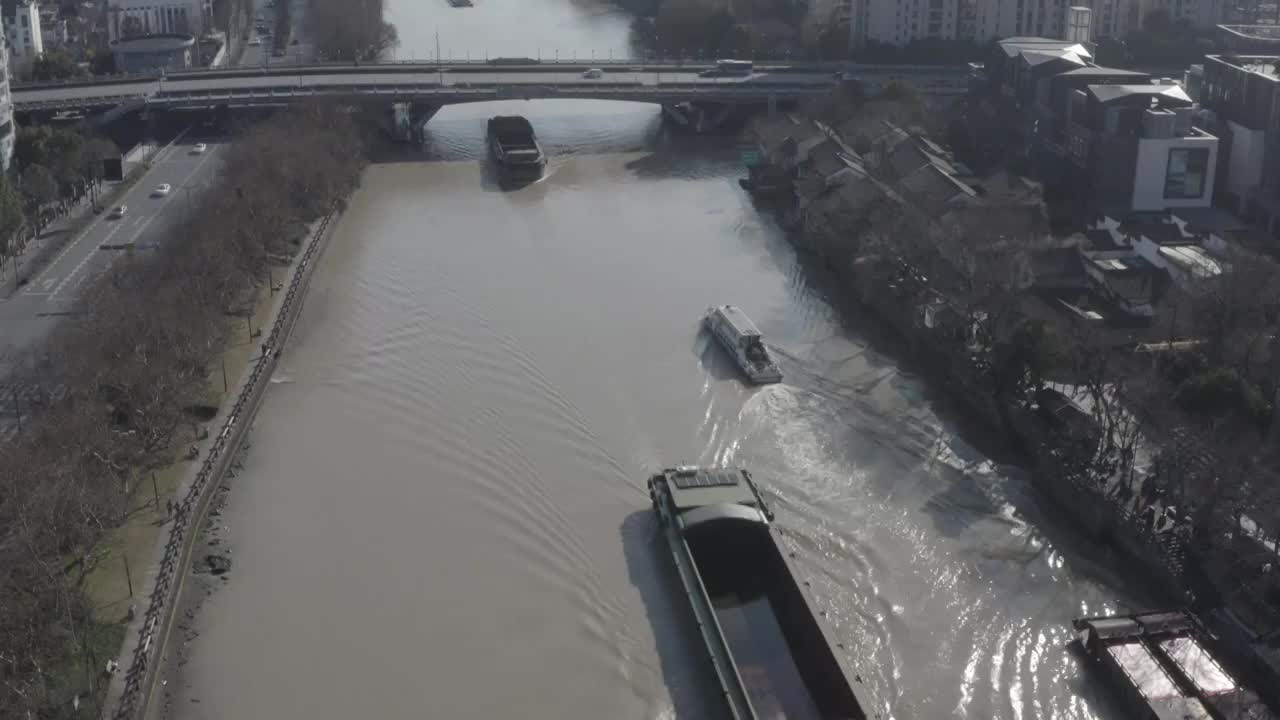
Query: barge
point(740, 338)
point(515, 147)
point(1164, 667)
point(772, 656)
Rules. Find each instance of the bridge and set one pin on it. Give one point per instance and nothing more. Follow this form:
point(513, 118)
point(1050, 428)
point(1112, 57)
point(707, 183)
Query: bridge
point(424, 88)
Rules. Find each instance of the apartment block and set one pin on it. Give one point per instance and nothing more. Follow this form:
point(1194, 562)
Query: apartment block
point(21, 21)
point(133, 18)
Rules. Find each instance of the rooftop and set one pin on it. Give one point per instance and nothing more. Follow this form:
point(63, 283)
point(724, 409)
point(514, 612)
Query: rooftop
point(1060, 48)
point(1112, 93)
point(1253, 32)
point(1264, 65)
point(1105, 71)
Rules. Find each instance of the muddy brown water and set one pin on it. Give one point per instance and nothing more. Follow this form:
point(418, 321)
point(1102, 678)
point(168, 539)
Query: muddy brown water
point(443, 513)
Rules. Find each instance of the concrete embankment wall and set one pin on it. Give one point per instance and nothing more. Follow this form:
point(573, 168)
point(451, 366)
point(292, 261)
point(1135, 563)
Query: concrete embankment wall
point(148, 633)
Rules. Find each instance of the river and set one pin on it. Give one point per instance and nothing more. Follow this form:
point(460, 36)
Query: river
point(443, 513)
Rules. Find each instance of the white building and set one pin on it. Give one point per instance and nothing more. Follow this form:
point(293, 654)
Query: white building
point(1018, 18)
point(21, 20)
point(132, 18)
point(898, 22)
point(7, 128)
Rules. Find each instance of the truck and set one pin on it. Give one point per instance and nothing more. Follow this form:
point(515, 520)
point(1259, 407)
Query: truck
point(514, 146)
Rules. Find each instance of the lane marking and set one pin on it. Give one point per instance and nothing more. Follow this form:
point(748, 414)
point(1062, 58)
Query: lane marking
point(88, 228)
point(145, 222)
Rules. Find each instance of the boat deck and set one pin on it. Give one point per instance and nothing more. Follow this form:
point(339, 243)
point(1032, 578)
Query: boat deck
point(1162, 663)
point(773, 657)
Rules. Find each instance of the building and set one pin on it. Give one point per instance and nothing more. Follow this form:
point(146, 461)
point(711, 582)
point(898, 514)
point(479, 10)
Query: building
point(1119, 139)
point(1249, 39)
point(898, 23)
point(1136, 148)
point(7, 129)
point(151, 53)
point(53, 29)
point(1244, 94)
point(1013, 18)
point(1199, 14)
point(21, 20)
point(133, 18)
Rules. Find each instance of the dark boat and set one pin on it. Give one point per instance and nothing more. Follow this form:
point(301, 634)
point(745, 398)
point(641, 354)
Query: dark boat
point(772, 656)
point(1164, 667)
point(515, 147)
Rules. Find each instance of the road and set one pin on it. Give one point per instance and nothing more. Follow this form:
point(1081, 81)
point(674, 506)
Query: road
point(29, 315)
point(350, 77)
point(255, 55)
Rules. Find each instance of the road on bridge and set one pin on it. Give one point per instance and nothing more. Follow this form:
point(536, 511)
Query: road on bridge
point(363, 77)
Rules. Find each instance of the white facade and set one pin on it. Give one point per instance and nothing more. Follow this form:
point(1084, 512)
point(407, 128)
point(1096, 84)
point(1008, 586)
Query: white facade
point(7, 128)
point(1019, 18)
point(898, 22)
point(1176, 172)
point(131, 18)
point(1079, 25)
point(22, 32)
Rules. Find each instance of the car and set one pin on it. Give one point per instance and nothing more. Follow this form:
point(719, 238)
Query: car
point(593, 74)
point(255, 41)
point(278, 52)
point(199, 148)
point(294, 41)
point(162, 189)
point(118, 211)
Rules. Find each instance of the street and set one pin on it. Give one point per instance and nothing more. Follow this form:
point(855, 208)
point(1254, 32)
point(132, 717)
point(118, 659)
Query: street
point(261, 54)
point(27, 316)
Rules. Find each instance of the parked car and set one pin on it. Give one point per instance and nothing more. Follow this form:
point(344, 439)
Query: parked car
point(255, 41)
point(162, 189)
point(278, 52)
point(118, 211)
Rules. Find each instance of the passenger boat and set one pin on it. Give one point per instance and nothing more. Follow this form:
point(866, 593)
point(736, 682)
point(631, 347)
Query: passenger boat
point(742, 340)
point(772, 656)
point(1164, 667)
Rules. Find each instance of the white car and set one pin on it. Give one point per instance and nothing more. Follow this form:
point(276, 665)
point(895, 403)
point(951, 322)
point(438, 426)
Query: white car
point(199, 149)
point(118, 211)
point(162, 189)
point(593, 74)
point(255, 41)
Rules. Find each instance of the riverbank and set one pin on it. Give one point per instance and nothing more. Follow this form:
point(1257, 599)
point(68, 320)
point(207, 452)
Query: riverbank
point(964, 270)
point(132, 693)
point(125, 388)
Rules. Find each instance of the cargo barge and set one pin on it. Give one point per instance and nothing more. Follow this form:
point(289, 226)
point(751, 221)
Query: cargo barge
point(1163, 667)
point(515, 147)
point(772, 656)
